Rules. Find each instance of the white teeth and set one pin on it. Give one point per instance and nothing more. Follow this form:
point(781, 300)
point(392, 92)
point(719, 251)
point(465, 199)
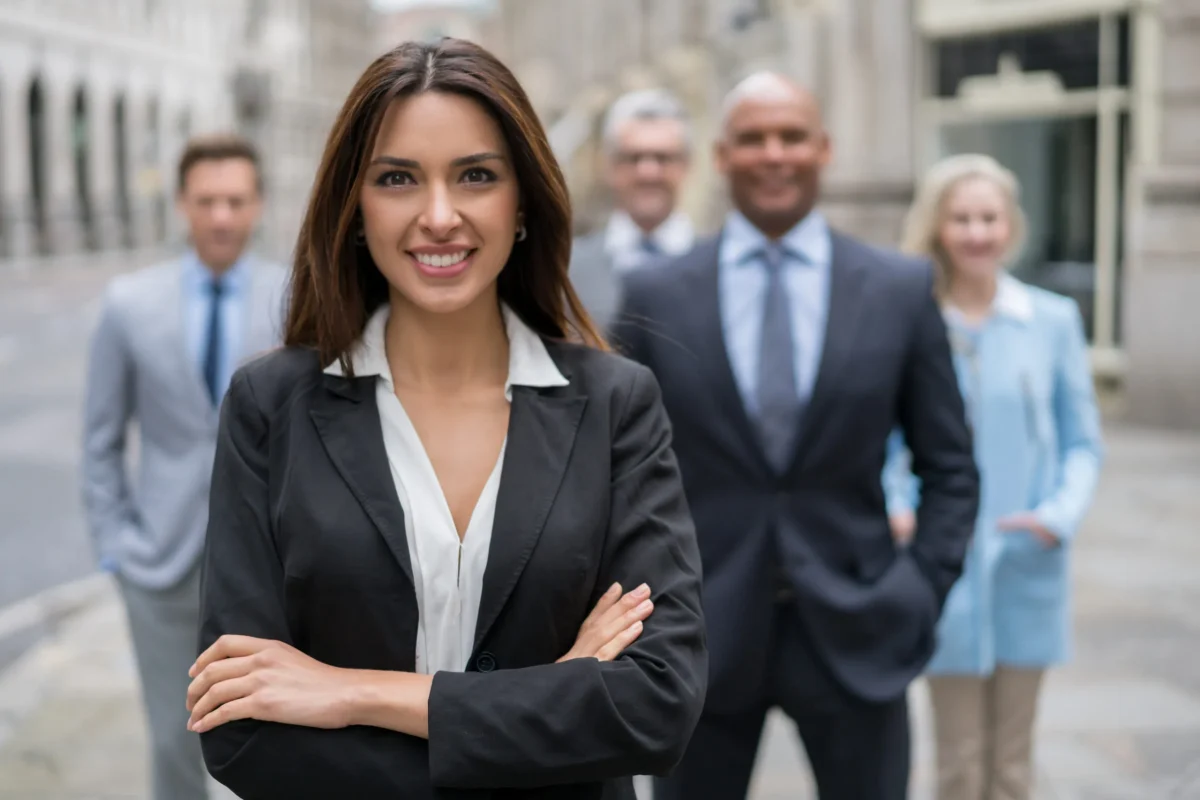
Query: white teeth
point(448, 260)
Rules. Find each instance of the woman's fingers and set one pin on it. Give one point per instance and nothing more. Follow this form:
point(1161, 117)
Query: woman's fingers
point(610, 625)
point(606, 601)
point(220, 694)
point(634, 607)
point(242, 708)
point(216, 672)
point(618, 644)
point(628, 601)
point(228, 646)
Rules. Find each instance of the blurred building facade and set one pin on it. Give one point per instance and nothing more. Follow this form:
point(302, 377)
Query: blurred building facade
point(431, 20)
point(97, 99)
point(1095, 104)
point(298, 61)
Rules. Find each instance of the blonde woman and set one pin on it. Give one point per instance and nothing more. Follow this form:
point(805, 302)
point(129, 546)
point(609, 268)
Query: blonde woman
point(1022, 364)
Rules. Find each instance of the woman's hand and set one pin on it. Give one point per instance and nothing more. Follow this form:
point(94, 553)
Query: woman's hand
point(1028, 521)
point(904, 525)
point(241, 677)
point(614, 624)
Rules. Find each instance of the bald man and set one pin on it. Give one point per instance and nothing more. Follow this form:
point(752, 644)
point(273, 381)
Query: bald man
point(786, 353)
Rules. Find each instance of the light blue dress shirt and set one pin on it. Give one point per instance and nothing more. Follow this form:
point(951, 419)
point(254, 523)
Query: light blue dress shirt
point(197, 306)
point(742, 276)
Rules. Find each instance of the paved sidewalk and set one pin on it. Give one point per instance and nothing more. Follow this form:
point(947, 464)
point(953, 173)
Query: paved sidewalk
point(1121, 723)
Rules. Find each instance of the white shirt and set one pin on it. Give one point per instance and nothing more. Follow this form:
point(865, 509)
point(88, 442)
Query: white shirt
point(623, 239)
point(448, 571)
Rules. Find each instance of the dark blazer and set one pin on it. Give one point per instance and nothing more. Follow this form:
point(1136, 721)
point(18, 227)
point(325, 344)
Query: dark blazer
point(306, 545)
point(821, 527)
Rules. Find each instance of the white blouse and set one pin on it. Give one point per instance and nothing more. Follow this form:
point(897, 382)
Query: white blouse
point(448, 571)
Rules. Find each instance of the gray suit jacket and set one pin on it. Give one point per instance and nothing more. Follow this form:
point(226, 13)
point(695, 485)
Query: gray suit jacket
point(153, 531)
point(595, 279)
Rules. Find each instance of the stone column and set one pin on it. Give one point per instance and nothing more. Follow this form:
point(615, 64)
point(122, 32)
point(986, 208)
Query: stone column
point(1162, 259)
point(848, 112)
point(142, 169)
point(887, 190)
point(172, 148)
point(868, 81)
point(16, 180)
point(806, 52)
point(63, 215)
point(102, 163)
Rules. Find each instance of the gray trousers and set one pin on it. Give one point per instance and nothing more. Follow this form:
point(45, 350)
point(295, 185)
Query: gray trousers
point(164, 625)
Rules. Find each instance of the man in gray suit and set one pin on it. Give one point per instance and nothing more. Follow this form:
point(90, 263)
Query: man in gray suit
point(647, 144)
point(166, 346)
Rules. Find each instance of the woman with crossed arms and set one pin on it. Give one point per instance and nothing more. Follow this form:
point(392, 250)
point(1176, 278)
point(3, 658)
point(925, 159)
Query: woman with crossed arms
point(424, 507)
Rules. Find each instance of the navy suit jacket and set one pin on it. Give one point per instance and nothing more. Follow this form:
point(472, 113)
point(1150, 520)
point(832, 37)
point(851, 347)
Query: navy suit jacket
point(869, 606)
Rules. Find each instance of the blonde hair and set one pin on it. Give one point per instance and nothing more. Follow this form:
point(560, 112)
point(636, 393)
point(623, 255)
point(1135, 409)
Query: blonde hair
point(922, 224)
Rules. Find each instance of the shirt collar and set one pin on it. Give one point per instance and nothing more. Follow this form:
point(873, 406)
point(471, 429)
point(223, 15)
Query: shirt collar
point(674, 236)
point(1013, 300)
point(529, 363)
point(200, 276)
point(808, 240)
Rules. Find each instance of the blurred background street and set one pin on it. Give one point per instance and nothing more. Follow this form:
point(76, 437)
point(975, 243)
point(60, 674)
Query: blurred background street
point(1095, 104)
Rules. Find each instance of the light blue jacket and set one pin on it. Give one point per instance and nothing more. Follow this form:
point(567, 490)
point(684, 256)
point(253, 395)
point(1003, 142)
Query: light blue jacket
point(1027, 384)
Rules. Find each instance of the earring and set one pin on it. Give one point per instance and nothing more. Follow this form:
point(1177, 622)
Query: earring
point(522, 233)
point(360, 236)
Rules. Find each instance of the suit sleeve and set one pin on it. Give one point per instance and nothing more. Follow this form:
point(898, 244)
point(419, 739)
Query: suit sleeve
point(109, 406)
point(628, 331)
point(1077, 419)
point(584, 720)
point(243, 593)
point(933, 420)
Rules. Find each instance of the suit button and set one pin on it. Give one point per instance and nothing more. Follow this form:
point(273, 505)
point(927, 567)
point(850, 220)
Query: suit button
point(486, 662)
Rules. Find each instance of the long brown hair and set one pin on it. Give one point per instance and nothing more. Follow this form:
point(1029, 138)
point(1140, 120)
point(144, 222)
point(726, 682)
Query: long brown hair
point(336, 284)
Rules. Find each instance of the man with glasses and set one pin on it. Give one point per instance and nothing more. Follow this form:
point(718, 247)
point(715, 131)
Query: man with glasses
point(647, 143)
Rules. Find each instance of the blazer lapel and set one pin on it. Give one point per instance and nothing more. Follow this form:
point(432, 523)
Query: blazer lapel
point(846, 288)
point(347, 421)
point(541, 434)
point(174, 315)
point(710, 335)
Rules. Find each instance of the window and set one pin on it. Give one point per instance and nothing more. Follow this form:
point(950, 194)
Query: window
point(1068, 150)
point(1072, 52)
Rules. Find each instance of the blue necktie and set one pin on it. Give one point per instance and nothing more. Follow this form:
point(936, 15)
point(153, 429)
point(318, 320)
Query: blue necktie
point(779, 404)
point(212, 349)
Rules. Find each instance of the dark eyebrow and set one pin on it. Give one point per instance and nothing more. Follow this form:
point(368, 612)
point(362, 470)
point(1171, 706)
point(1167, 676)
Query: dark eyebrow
point(392, 161)
point(478, 158)
point(465, 161)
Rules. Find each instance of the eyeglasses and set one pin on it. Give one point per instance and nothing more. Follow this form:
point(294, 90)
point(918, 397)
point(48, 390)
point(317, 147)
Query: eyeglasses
point(632, 158)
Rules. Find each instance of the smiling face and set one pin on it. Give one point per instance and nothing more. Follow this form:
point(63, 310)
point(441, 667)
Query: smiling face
point(773, 151)
point(220, 200)
point(440, 202)
point(647, 169)
point(975, 230)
